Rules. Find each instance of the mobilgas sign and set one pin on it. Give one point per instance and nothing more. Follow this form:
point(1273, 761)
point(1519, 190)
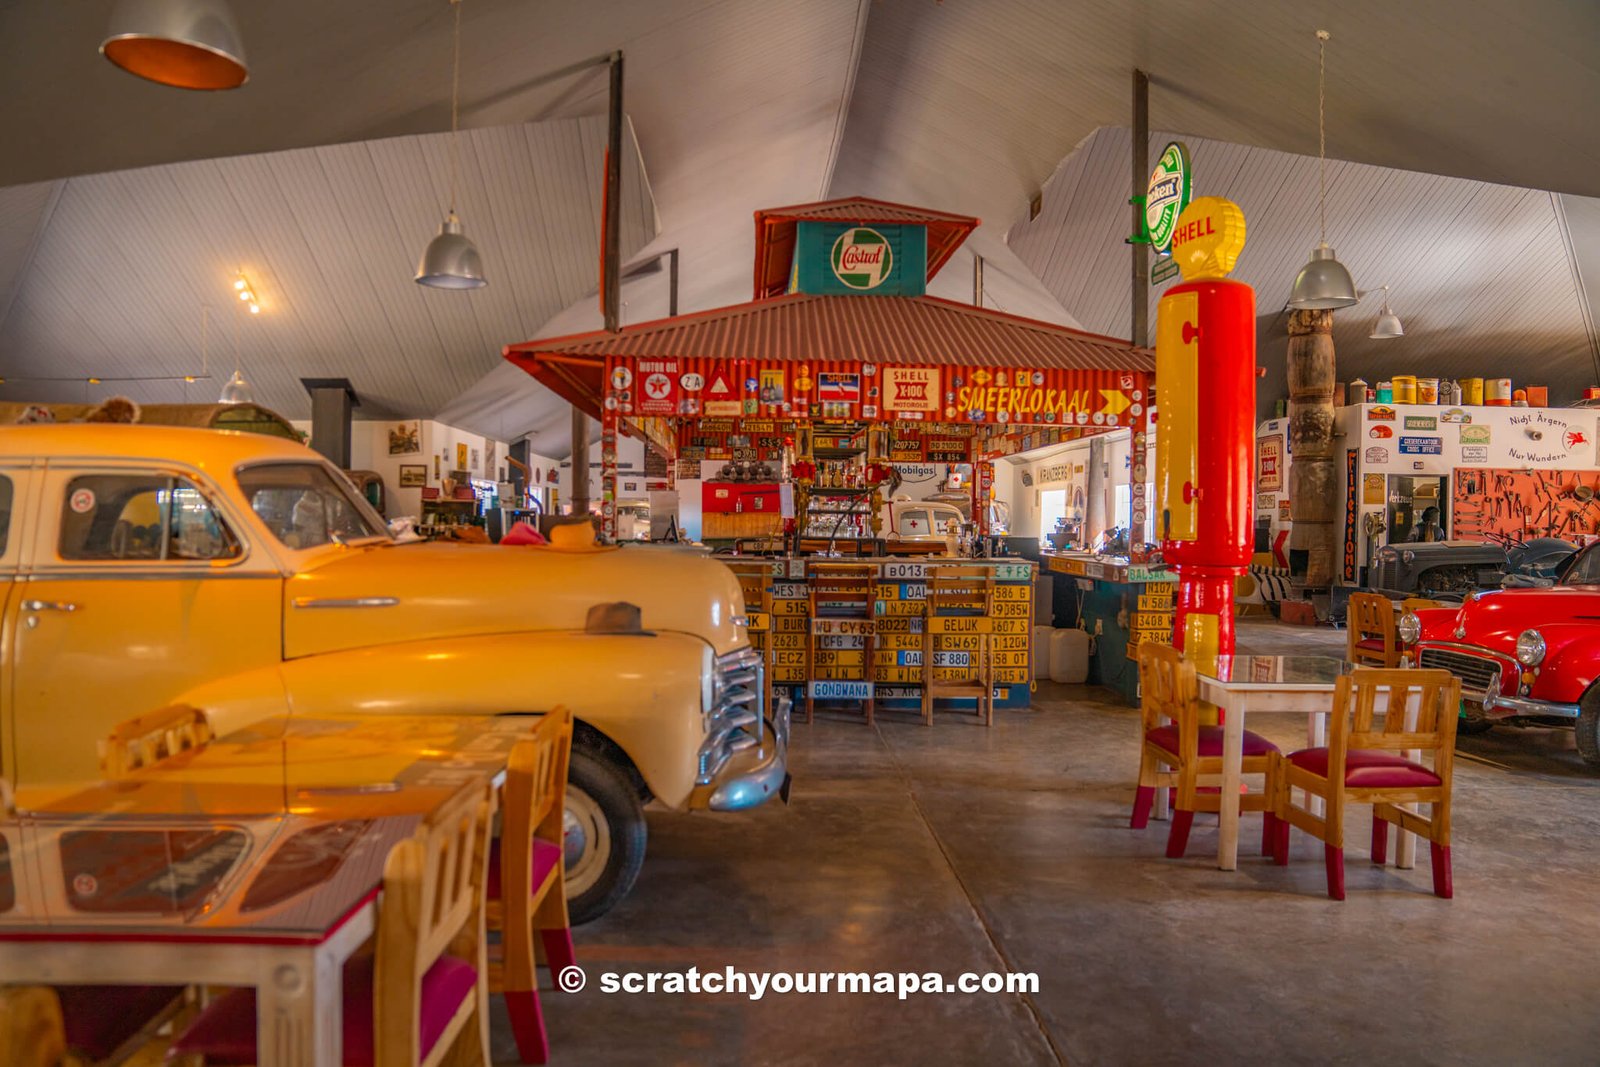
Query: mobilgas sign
point(1167, 195)
point(833, 258)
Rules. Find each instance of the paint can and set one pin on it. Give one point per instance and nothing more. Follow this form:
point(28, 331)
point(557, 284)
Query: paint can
point(1497, 392)
point(1385, 393)
point(1427, 390)
point(1405, 388)
point(1471, 391)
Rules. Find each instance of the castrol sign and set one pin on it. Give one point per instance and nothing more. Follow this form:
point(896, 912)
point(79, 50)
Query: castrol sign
point(861, 258)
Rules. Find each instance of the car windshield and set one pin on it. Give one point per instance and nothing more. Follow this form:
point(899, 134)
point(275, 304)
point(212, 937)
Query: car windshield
point(1585, 569)
point(306, 505)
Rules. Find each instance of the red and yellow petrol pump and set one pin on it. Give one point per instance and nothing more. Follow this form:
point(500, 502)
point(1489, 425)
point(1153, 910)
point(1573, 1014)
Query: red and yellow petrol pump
point(1206, 401)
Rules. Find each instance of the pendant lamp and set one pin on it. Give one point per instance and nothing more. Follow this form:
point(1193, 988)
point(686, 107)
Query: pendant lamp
point(1323, 283)
point(237, 390)
point(451, 261)
point(1388, 324)
point(188, 44)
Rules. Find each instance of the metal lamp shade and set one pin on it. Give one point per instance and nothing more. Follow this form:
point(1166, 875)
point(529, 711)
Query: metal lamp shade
point(237, 391)
point(451, 261)
point(1387, 326)
point(1323, 283)
point(189, 44)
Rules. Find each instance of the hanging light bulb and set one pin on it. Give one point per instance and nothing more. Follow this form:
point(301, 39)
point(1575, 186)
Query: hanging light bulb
point(1323, 283)
point(451, 261)
point(188, 44)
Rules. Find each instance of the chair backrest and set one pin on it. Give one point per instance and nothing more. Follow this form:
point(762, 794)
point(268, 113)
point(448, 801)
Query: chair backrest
point(847, 589)
point(535, 795)
point(1168, 689)
point(32, 1033)
point(1356, 705)
point(1417, 603)
point(433, 896)
point(1370, 615)
point(139, 742)
point(959, 589)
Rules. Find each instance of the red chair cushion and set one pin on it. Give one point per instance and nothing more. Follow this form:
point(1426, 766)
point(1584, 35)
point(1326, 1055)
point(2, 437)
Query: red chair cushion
point(99, 1018)
point(1373, 643)
point(545, 858)
point(1366, 768)
point(1210, 741)
point(225, 1033)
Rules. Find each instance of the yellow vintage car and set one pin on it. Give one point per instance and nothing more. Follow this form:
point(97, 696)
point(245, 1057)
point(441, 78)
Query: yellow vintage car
point(241, 574)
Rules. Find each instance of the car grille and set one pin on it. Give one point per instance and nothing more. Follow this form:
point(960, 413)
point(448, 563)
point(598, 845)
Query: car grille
point(734, 723)
point(1475, 672)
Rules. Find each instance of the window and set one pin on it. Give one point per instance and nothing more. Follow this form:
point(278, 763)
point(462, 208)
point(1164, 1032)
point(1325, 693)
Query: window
point(914, 523)
point(147, 517)
point(1052, 509)
point(5, 512)
point(1124, 518)
point(304, 505)
point(1585, 569)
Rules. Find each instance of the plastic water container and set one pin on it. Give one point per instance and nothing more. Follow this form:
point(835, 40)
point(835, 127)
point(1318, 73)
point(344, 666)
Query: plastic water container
point(1041, 651)
point(1069, 657)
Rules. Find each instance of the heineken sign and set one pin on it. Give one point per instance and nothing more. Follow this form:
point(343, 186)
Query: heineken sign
point(861, 258)
point(1167, 195)
point(834, 258)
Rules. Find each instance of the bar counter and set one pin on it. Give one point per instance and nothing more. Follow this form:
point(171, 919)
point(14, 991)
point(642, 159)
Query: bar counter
point(778, 604)
point(1121, 604)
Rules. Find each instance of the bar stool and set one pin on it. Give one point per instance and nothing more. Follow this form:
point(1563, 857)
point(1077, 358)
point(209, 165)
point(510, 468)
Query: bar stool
point(847, 594)
point(959, 592)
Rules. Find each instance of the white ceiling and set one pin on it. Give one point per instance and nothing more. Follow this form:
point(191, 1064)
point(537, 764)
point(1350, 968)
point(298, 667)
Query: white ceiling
point(1480, 274)
point(740, 104)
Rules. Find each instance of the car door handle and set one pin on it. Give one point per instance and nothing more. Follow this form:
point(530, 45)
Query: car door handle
point(48, 605)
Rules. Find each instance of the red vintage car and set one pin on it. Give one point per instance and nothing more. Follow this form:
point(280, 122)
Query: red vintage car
point(1524, 656)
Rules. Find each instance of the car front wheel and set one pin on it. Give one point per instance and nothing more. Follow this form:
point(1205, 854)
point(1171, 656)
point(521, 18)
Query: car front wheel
point(604, 839)
point(1589, 727)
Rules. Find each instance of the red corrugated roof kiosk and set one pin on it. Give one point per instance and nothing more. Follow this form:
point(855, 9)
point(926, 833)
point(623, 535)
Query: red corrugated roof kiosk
point(841, 335)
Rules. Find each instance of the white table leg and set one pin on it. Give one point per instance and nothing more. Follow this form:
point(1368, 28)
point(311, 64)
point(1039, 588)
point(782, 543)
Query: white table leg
point(1232, 775)
point(299, 1013)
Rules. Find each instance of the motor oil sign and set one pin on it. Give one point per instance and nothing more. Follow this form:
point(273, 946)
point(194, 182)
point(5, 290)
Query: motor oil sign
point(911, 388)
point(833, 258)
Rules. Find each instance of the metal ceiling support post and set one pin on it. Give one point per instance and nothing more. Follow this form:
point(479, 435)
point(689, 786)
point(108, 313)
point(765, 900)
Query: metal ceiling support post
point(1140, 276)
point(672, 299)
point(611, 253)
point(977, 280)
point(610, 277)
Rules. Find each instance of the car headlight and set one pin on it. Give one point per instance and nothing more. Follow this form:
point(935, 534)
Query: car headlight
point(1530, 648)
point(1408, 556)
point(1409, 628)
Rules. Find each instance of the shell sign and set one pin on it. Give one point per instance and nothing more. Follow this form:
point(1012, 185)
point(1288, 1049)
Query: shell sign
point(911, 388)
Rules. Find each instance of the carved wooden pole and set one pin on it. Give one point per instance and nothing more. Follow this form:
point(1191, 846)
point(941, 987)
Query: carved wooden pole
point(1315, 479)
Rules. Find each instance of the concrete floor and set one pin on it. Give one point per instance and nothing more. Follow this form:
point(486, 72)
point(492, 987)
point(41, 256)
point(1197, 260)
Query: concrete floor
point(958, 849)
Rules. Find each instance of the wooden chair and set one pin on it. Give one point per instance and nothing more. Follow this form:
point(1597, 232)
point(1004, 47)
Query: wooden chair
point(1372, 640)
point(526, 887)
point(959, 591)
point(139, 742)
point(31, 1030)
point(1173, 737)
point(1367, 765)
point(842, 591)
point(430, 956)
point(1417, 603)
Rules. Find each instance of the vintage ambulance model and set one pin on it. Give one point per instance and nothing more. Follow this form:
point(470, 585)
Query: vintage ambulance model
point(239, 574)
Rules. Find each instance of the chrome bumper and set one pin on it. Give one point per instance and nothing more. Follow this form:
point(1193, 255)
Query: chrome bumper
point(749, 787)
point(1499, 706)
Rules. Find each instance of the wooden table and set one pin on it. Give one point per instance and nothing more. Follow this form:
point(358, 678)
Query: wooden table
point(1253, 685)
point(254, 861)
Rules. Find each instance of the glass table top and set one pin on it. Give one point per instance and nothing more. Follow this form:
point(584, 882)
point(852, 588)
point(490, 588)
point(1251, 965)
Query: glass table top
point(1238, 672)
